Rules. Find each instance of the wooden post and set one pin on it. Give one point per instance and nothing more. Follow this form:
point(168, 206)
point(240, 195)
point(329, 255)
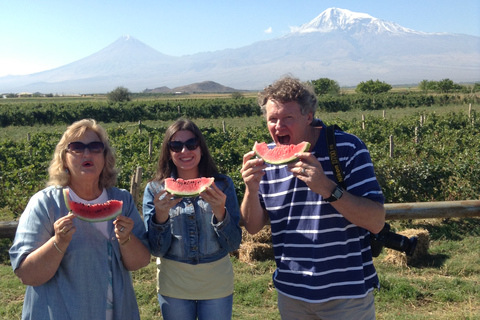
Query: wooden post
point(135, 183)
point(150, 147)
point(133, 187)
point(391, 146)
point(416, 135)
point(223, 125)
point(421, 120)
point(178, 107)
point(363, 121)
point(470, 110)
point(139, 126)
point(29, 147)
point(383, 114)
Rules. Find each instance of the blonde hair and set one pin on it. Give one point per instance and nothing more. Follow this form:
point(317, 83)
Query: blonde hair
point(58, 175)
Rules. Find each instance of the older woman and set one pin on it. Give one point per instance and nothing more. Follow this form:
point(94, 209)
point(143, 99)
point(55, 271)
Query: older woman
point(75, 269)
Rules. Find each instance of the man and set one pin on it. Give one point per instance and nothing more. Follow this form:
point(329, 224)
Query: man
point(320, 232)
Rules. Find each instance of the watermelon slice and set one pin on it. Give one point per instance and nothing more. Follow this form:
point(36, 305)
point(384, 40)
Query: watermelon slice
point(93, 212)
point(281, 154)
point(187, 188)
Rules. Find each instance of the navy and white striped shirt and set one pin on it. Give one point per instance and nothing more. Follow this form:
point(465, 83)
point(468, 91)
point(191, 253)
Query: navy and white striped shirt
point(320, 255)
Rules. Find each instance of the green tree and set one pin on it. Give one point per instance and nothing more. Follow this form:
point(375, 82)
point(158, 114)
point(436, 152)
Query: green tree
point(237, 95)
point(445, 86)
point(120, 94)
point(476, 87)
point(325, 86)
point(426, 85)
point(373, 87)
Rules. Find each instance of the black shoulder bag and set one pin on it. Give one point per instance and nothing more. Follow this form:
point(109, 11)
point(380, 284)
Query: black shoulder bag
point(383, 238)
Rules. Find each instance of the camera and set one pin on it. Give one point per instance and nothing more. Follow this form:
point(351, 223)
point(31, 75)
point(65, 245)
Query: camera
point(393, 241)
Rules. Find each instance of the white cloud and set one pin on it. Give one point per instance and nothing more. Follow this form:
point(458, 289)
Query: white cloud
point(269, 30)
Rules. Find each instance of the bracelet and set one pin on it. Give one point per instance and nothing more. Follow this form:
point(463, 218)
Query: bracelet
point(129, 238)
point(56, 247)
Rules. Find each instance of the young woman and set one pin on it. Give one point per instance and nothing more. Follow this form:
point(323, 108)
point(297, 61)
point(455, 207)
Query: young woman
point(192, 236)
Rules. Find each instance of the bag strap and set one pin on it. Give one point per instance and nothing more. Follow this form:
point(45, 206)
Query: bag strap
point(333, 154)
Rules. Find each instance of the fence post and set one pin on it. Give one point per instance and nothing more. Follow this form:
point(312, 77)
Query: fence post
point(223, 125)
point(150, 147)
point(135, 183)
point(363, 121)
point(391, 146)
point(28, 140)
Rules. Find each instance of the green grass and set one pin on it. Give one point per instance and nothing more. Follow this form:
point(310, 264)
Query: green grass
point(443, 285)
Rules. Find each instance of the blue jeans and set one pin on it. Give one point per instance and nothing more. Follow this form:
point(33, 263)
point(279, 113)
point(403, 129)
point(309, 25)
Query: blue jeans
point(180, 309)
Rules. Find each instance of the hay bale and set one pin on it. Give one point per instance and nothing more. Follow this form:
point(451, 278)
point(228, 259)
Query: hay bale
point(263, 236)
point(421, 251)
point(252, 251)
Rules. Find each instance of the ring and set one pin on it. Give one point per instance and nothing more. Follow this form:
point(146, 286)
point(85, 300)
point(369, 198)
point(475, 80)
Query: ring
point(63, 230)
point(122, 228)
point(303, 170)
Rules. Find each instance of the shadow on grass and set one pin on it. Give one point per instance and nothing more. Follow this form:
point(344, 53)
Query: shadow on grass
point(5, 245)
point(435, 261)
point(454, 229)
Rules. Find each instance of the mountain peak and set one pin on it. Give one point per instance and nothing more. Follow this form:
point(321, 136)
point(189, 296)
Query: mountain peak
point(334, 19)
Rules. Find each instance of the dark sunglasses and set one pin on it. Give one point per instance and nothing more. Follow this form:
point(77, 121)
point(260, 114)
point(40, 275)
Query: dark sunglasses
point(177, 146)
point(79, 147)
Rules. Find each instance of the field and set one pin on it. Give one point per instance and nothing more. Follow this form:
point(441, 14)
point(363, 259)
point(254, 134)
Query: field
point(445, 284)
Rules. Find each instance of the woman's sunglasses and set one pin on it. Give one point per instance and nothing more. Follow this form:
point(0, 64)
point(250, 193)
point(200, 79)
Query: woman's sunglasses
point(79, 147)
point(177, 146)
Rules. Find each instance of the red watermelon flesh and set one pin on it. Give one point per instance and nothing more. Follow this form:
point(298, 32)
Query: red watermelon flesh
point(93, 212)
point(187, 188)
point(281, 154)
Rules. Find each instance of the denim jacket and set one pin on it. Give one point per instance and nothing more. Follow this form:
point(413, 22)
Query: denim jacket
point(192, 234)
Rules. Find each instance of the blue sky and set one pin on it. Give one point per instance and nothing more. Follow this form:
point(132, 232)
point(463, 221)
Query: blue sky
point(37, 35)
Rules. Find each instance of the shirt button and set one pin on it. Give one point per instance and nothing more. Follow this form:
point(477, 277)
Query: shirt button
point(113, 238)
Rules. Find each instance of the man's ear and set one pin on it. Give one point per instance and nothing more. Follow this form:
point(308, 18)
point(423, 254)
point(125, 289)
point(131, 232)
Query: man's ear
point(309, 118)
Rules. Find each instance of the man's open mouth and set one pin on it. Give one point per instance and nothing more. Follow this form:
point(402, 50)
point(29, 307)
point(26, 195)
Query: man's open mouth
point(283, 139)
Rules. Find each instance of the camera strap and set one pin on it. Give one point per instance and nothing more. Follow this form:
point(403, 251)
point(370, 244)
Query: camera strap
point(333, 154)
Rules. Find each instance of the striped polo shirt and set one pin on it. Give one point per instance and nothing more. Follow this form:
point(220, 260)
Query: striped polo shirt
point(320, 255)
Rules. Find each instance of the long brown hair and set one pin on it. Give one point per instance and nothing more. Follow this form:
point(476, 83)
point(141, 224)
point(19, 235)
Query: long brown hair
point(206, 166)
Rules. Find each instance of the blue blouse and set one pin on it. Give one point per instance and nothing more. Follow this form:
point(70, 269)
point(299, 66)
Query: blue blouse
point(78, 290)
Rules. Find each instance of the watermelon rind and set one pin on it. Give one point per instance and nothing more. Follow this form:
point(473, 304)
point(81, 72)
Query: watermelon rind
point(281, 154)
point(102, 211)
point(187, 188)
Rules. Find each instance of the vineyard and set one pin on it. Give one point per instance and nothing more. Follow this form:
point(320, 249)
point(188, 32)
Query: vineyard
point(435, 157)
point(424, 148)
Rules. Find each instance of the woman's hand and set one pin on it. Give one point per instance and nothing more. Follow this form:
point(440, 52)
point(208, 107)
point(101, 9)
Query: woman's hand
point(163, 202)
point(216, 198)
point(64, 230)
point(123, 228)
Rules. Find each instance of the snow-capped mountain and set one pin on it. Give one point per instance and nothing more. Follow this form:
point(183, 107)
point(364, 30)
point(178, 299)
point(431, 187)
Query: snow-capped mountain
point(334, 19)
point(345, 46)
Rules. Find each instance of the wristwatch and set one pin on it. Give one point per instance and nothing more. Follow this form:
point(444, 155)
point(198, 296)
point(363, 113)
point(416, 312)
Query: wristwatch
point(336, 194)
